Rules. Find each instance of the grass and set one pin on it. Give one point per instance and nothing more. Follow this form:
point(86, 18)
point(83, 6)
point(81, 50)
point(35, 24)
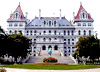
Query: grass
point(54, 67)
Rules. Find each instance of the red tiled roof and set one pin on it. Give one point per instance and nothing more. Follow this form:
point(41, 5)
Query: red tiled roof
point(78, 14)
point(20, 11)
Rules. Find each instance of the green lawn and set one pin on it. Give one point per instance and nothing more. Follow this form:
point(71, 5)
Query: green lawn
point(59, 67)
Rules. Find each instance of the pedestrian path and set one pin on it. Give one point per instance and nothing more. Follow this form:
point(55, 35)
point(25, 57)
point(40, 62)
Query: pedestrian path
point(35, 70)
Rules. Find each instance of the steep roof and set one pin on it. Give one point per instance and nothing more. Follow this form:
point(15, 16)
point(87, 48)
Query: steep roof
point(20, 11)
point(79, 11)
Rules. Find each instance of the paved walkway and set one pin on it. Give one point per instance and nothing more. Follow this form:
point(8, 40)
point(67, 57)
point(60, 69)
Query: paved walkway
point(35, 70)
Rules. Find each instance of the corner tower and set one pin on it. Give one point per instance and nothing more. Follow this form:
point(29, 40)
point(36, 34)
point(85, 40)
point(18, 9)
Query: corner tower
point(83, 22)
point(17, 21)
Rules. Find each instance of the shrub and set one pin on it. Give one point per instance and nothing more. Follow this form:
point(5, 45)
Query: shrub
point(50, 59)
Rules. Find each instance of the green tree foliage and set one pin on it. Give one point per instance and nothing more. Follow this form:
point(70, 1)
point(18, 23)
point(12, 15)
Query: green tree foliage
point(15, 45)
point(18, 45)
point(88, 46)
point(3, 40)
point(1, 30)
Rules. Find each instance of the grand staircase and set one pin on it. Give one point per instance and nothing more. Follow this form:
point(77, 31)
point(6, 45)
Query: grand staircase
point(55, 54)
point(60, 59)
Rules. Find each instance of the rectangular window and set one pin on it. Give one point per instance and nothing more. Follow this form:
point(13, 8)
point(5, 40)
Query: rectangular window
point(79, 24)
point(20, 25)
point(10, 25)
point(72, 43)
point(84, 24)
point(15, 25)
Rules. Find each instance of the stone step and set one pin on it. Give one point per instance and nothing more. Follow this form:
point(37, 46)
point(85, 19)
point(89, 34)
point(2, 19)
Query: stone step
point(60, 59)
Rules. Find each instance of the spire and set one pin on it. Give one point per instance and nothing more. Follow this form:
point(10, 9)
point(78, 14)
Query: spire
point(60, 14)
point(39, 13)
point(19, 3)
point(80, 4)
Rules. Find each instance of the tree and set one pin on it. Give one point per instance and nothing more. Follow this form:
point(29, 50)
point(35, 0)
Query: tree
point(3, 40)
point(88, 46)
point(1, 30)
point(18, 45)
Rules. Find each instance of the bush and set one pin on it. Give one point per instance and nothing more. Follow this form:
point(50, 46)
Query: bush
point(50, 59)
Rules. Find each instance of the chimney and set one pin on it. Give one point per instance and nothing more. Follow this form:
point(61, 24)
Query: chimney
point(39, 14)
point(73, 15)
point(26, 15)
point(60, 14)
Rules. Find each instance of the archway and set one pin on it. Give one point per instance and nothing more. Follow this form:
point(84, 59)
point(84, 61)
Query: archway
point(43, 47)
point(55, 47)
point(49, 46)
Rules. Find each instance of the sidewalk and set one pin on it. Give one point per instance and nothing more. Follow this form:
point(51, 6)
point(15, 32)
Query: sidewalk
point(35, 70)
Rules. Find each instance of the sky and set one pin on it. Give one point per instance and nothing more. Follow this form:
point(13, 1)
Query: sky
point(50, 8)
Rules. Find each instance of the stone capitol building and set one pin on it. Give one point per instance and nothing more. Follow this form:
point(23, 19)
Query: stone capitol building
point(52, 32)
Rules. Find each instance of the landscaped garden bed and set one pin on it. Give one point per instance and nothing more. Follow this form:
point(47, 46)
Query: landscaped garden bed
point(50, 60)
point(50, 63)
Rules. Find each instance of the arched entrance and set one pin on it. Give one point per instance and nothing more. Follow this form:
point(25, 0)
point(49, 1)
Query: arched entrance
point(55, 47)
point(43, 47)
point(49, 46)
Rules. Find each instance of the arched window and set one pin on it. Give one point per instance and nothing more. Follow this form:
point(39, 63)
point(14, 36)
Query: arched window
point(54, 22)
point(44, 22)
point(44, 39)
point(89, 32)
point(27, 32)
point(83, 15)
point(64, 32)
point(55, 47)
point(49, 32)
point(16, 15)
point(55, 32)
point(49, 23)
point(68, 41)
point(44, 32)
point(43, 47)
point(68, 33)
point(49, 39)
point(79, 32)
point(35, 32)
point(30, 32)
point(84, 32)
point(72, 32)
point(10, 31)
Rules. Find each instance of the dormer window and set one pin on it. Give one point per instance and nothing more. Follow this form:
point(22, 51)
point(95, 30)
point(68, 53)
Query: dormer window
point(49, 23)
point(54, 22)
point(83, 14)
point(44, 22)
point(16, 15)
